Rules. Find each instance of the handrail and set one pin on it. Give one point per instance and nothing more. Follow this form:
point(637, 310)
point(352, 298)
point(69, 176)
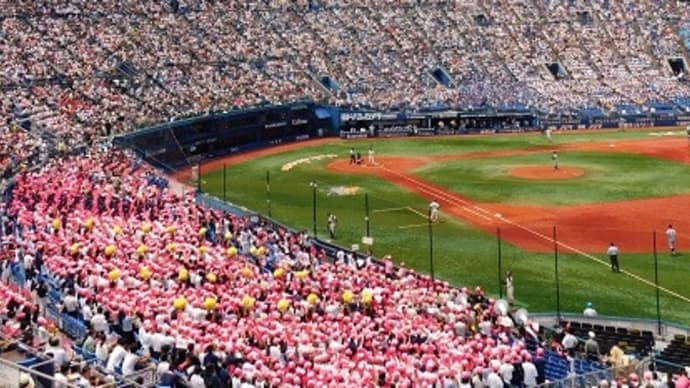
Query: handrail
point(32, 372)
point(612, 318)
point(669, 363)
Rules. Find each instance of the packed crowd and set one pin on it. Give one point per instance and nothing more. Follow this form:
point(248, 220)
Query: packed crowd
point(79, 69)
point(219, 298)
point(215, 298)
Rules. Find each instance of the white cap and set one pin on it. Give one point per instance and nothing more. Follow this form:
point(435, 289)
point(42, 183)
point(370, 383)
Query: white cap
point(163, 367)
point(591, 334)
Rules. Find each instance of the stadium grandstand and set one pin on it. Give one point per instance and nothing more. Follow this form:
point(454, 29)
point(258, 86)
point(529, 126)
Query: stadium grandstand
point(110, 275)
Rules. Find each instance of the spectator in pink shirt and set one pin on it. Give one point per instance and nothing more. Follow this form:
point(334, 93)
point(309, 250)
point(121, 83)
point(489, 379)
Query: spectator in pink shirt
point(682, 381)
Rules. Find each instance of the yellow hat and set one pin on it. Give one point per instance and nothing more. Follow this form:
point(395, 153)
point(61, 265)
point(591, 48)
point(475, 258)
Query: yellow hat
point(110, 250)
point(180, 303)
point(247, 302)
point(114, 275)
point(283, 305)
point(348, 296)
point(312, 298)
point(145, 273)
point(210, 303)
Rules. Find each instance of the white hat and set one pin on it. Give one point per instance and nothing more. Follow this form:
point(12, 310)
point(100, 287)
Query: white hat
point(591, 334)
point(163, 367)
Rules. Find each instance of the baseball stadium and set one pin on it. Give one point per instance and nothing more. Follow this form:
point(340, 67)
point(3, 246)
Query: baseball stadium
point(330, 193)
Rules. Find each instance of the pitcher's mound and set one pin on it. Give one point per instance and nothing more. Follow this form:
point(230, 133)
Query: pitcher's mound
point(546, 172)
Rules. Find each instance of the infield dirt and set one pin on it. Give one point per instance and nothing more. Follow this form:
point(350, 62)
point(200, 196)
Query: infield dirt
point(589, 228)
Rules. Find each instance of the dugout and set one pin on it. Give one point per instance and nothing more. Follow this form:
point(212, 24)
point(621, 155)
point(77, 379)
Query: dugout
point(183, 143)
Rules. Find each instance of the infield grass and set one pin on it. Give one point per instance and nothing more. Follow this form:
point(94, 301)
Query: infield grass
point(608, 177)
point(464, 255)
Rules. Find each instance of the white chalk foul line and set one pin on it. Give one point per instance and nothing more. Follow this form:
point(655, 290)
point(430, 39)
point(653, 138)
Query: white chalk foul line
point(389, 209)
point(595, 259)
point(425, 188)
point(413, 225)
point(395, 209)
point(417, 212)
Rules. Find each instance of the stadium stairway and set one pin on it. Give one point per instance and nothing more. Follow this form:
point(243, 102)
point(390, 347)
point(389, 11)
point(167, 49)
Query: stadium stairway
point(442, 76)
point(329, 83)
point(676, 354)
point(633, 341)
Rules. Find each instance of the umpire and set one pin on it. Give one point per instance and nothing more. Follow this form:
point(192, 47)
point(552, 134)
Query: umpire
point(613, 257)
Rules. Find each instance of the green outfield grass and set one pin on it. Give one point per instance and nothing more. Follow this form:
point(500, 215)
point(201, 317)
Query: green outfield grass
point(608, 177)
point(464, 255)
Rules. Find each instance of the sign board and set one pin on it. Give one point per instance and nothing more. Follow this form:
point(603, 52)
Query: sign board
point(354, 247)
point(367, 240)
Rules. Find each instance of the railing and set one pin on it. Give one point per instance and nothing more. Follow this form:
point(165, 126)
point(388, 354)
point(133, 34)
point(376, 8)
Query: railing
point(42, 372)
point(659, 364)
point(583, 380)
point(666, 329)
point(11, 376)
point(592, 379)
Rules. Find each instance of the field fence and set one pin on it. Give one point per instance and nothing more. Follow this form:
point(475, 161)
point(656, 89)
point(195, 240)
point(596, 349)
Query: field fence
point(544, 240)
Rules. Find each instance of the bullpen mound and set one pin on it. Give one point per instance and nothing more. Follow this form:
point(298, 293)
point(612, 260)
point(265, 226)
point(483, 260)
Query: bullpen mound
point(546, 172)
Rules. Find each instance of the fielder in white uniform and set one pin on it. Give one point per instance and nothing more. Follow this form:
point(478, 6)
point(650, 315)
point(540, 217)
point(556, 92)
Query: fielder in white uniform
point(613, 257)
point(370, 155)
point(671, 237)
point(510, 289)
point(433, 211)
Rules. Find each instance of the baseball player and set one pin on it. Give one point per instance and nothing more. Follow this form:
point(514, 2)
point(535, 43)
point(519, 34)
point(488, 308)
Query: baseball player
point(352, 156)
point(547, 132)
point(510, 289)
point(332, 221)
point(671, 237)
point(433, 211)
point(613, 257)
point(554, 159)
point(370, 156)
